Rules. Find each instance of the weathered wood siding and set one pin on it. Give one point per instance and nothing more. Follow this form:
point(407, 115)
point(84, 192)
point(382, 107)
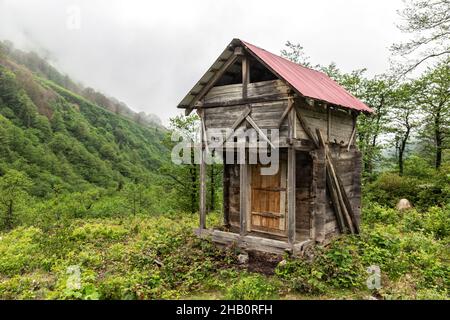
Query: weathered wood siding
point(233, 92)
point(265, 114)
point(303, 194)
point(341, 122)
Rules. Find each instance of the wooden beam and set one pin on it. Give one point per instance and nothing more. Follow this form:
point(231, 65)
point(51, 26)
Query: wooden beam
point(245, 76)
point(291, 195)
point(243, 197)
point(201, 114)
point(261, 134)
point(236, 102)
point(211, 83)
point(203, 189)
point(226, 195)
point(286, 111)
point(236, 123)
point(329, 119)
point(352, 136)
point(252, 243)
point(306, 128)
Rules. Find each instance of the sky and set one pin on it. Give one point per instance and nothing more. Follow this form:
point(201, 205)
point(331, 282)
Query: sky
point(149, 54)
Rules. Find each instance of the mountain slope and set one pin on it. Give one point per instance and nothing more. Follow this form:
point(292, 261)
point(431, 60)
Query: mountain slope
point(65, 142)
point(41, 67)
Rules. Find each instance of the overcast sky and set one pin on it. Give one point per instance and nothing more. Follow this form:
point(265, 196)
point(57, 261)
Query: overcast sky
point(149, 54)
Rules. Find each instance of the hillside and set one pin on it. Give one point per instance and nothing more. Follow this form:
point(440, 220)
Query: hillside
point(63, 141)
point(43, 68)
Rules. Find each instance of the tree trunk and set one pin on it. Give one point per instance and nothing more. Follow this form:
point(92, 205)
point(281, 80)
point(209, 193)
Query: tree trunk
point(401, 151)
point(438, 139)
point(9, 215)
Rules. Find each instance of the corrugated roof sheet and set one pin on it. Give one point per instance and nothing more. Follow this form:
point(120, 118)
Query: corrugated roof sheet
point(307, 82)
point(310, 83)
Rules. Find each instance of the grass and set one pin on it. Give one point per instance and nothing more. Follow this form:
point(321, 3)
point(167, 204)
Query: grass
point(158, 257)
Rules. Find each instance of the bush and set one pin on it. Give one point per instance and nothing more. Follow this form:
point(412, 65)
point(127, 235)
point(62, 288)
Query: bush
point(424, 189)
point(252, 287)
point(302, 277)
point(19, 250)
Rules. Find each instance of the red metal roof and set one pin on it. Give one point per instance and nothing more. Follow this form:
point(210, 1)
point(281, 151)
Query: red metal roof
point(309, 83)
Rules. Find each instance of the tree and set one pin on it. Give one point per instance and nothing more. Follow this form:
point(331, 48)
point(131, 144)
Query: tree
point(405, 119)
point(295, 53)
point(377, 93)
point(428, 22)
point(214, 174)
point(433, 96)
point(185, 177)
point(13, 187)
point(133, 194)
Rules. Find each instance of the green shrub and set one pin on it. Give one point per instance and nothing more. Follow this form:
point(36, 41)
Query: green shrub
point(19, 250)
point(252, 287)
point(374, 212)
point(423, 186)
point(301, 276)
point(437, 221)
point(97, 231)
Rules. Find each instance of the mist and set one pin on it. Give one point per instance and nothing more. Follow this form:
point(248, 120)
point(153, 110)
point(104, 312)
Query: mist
point(150, 54)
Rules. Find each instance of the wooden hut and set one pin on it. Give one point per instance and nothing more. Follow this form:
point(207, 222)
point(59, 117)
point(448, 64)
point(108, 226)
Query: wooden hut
point(316, 192)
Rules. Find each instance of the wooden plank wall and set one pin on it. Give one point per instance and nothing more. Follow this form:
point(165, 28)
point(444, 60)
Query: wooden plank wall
point(304, 205)
point(265, 114)
point(340, 127)
point(254, 90)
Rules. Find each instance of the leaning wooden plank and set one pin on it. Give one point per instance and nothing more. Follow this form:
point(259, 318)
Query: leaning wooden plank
point(261, 134)
point(349, 206)
point(232, 59)
point(336, 185)
point(335, 204)
point(340, 194)
point(333, 186)
point(306, 128)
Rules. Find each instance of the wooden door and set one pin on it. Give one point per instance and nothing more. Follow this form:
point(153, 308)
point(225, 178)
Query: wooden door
point(268, 200)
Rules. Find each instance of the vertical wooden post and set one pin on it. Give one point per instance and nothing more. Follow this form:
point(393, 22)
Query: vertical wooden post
point(226, 194)
point(291, 121)
point(291, 195)
point(319, 195)
point(202, 182)
point(243, 198)
point(245, 76)
point(328, 122)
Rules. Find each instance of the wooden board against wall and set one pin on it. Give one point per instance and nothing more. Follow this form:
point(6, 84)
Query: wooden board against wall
point(348, 167)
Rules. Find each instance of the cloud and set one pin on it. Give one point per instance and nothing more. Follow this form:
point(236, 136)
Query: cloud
point(149, 54)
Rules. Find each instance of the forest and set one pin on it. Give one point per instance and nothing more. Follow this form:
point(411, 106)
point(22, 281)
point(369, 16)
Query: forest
point(88, 189)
